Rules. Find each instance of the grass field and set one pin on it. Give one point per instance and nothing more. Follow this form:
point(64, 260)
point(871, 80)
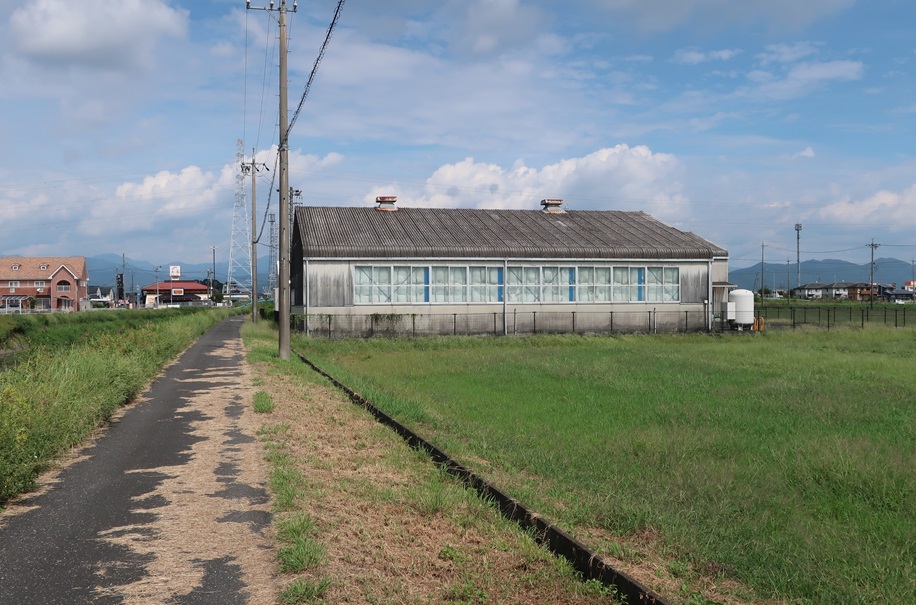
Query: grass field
point(72, 373)
point(782, 460)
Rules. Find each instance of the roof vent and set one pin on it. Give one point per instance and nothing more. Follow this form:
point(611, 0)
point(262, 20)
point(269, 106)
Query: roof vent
point(386, 203)
point(553, 206)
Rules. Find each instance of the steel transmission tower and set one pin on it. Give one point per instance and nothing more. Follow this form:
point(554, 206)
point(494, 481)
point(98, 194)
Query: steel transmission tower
point(240, 244)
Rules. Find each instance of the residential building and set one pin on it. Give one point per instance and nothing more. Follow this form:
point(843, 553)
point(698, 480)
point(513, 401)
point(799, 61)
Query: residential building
point(52, 283)
point(502, 271)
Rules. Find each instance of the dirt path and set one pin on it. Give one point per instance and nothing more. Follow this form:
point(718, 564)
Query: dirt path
point(168, 506)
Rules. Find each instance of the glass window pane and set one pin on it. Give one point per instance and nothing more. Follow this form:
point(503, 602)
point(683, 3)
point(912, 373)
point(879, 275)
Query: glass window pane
point(440, 275)
point(402, 294)
point(551, 275)
point(532, 276)
point(458, 276)
point(439, 294)
point(586, 275)
point(478, 275)
point(381, 275)
point(363, 294)
point(419, 275)
point(671, 276)
point(515, 275)
point(654, 275)
point(381, 294)
point(495, 274)
point(364, 275)
point(402, 275)
point(457, 294)
point(514, 293)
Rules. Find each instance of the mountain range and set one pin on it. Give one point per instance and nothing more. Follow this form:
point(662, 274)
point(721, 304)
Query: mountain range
point(102, 270)
point(887, 271)
point(140, 273)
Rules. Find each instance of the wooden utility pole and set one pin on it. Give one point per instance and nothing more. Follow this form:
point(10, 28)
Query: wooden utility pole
point(283, 301)
point(871, 286)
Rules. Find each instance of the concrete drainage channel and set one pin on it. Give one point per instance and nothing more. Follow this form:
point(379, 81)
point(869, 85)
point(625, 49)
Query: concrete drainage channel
point(583, 560)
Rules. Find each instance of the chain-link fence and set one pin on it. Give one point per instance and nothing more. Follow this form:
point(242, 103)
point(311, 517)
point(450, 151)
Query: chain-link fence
point(861, 316)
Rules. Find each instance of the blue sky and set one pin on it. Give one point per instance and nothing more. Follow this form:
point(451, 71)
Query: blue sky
point(733, 119)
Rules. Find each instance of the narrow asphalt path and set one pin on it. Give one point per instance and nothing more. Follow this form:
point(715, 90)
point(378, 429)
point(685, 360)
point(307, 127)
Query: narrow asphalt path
point(169, 505)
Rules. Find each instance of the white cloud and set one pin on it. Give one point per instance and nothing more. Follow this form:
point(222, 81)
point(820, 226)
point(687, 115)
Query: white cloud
point(884, 208)
point(493, 27)
point(807, 152)
point(787, 53)
point(804, 78)
point(692, 56)
point(106, 34)
point(664, 15)
point(620, 177)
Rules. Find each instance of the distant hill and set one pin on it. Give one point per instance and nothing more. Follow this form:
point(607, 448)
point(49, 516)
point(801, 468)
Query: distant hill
point(887, 271)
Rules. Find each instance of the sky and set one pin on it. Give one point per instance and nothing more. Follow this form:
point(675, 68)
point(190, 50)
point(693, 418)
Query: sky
point(733, 119)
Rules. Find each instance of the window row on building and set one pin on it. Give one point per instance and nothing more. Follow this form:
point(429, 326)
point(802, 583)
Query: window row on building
point(398, 284)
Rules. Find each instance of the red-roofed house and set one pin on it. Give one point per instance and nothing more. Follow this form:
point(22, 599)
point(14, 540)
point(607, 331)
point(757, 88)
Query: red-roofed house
point(175, 292)
point(44, 283)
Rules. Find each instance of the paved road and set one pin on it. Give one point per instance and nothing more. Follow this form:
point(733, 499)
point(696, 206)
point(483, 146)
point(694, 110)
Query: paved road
point(168, 506)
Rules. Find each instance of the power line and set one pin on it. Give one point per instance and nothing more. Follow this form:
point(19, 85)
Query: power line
point(308, 84)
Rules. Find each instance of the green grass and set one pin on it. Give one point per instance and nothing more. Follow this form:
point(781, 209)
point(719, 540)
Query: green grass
point(263, 402)
point(66, 386)
point(784, 460)
point(301, 590)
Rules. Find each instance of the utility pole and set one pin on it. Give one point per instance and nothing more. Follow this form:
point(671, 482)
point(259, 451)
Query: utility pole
point(788, 282)
point(798, 228)
point(871, 286)
point(213, 275)
point(763, 282)
point(158, 267)
point(283, 304)
point(253, 169)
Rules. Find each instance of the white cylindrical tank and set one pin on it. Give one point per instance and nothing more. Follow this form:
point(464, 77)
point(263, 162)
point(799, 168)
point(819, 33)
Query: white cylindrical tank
point(744, 306)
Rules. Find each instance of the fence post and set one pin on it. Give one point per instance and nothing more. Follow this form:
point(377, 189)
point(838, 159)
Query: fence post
point(534, 321)
point(686, 323)
point(612, 322)
point(454, 324)
point(494, 324)
point(413, 321)
point(330, 319)
point(863, 318)
point(793, 318)
point(574, 322)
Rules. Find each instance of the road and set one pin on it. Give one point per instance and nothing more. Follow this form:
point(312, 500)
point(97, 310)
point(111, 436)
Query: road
point(168, 505)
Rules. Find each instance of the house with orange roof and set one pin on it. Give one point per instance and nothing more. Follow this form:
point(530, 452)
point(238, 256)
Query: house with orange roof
point(44, 284)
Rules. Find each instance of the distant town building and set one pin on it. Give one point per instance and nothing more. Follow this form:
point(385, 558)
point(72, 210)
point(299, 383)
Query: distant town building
point(44, 284)
point(176, 292)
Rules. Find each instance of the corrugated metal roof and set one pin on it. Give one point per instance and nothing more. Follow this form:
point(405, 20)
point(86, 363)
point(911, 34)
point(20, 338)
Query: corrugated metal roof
point(355, 232)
